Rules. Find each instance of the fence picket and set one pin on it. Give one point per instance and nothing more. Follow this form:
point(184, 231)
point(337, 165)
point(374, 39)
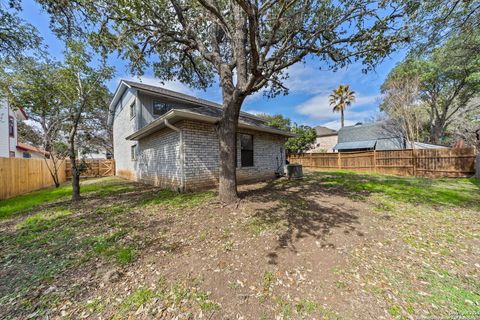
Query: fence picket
point(417, 162)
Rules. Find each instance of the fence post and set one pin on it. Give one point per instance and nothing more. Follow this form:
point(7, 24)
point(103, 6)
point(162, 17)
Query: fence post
point(477, 167)
point(339, 160)
point(414, 162)
point(374, 161)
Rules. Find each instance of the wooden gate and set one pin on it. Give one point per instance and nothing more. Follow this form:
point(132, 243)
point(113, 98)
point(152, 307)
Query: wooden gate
point(95, 168)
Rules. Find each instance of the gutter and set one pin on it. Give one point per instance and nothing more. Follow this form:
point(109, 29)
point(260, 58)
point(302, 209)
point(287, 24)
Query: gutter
point(182, 154)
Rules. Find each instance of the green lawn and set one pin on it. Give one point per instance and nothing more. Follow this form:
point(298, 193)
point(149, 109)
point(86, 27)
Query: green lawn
point(17, 205)
point(464, 192)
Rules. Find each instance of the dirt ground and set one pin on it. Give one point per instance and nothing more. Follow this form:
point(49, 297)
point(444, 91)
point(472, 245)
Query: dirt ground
point(308, 249)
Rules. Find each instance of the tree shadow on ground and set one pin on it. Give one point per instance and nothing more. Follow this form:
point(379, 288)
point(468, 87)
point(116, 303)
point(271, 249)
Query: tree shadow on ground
point(299, 207)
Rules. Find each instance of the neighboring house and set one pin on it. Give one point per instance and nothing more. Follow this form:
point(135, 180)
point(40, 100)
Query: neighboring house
point(94, 153)
point(326, 139)
point(168, 139)
point(8, 130)
point(374, 136)
point(25, 150)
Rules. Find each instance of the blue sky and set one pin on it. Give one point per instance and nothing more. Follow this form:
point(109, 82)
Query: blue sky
point(307, 102)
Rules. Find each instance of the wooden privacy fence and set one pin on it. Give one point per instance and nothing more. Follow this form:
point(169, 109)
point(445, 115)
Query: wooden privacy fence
point(411, 162)
point(19, 176)
point(95, 168)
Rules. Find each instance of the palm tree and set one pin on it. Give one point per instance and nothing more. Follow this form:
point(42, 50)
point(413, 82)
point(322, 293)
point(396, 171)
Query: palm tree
point(341, 98)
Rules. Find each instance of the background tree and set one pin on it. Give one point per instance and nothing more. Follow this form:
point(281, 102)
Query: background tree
point(248, 46)
point(82, 92)
point(277, 121)
point(434, 21)
point(305, 135)
point(340, 99)
point(401, 103)
point(449, 80)
point(16, 35)
point(29, 134)
point(33, 83)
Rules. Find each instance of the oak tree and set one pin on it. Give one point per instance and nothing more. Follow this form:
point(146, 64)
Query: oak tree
point(245, 45)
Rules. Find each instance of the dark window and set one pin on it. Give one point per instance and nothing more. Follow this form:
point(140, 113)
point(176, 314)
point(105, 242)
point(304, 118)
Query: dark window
point(246, 146)
point(27, 155)
point(11, 126)
point(12, 154)
point(133, 152)
point(132, 110)
point(160, 108)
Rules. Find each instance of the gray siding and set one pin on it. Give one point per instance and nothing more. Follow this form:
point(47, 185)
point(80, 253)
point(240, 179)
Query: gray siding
point(123, 126)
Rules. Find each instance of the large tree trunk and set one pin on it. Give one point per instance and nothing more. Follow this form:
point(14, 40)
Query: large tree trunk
point(227, 128)
point(343, 117)
point(436, 132)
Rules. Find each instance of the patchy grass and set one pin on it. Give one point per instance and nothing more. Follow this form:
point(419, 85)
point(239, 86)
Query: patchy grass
point(137, 298)
point(452, 292)
point(444, 191)
point(335, 245)
point(100, 187)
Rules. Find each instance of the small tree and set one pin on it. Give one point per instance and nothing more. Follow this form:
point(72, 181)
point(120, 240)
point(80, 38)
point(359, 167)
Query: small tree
point(82, 92)
point(340, 99)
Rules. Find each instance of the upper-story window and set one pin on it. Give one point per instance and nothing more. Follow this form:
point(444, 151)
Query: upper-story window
point(11, 127)
point(160, 108)
point(132, 110)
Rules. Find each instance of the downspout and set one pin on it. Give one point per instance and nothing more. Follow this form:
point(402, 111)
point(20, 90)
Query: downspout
point(182, 154)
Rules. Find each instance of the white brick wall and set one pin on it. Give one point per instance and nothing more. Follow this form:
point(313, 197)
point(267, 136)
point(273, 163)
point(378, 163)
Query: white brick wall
point(202, 155)
point(158, 155)
point(158, 160)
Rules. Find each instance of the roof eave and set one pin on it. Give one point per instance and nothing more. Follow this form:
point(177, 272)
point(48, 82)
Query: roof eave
point(159, 123)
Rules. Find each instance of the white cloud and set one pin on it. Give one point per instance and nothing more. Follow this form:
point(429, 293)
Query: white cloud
point(337, 124)
point(307, 79)
point(318, 108)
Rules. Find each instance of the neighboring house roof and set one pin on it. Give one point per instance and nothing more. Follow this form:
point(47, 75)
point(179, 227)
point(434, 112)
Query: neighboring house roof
point(360, 136)
point(193, 108)
point(369, 131)
point(421, 145)
point(325, 132)
point(378, 136)
point(366, 144)
point(26, 147)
